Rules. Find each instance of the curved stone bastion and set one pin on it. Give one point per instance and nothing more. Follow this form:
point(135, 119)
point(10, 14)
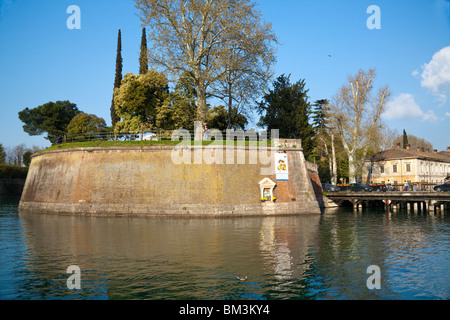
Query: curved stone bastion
point(156, 181)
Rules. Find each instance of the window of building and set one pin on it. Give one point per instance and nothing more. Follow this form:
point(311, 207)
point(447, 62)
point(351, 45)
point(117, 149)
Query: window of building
point(381, 168)
point(394, 168)
point(408, 167)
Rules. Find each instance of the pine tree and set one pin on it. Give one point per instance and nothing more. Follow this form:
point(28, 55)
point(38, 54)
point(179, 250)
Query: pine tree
point(118, 79)
point(143, 59)
point(319, 116)
point(286, 108)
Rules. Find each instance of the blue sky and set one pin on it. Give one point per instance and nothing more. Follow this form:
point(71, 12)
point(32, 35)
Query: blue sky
point(42, 60)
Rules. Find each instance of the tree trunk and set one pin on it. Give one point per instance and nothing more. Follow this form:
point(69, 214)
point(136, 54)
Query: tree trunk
point(330, 169)
point(352, 167)
point(230, 105)
point(333, 155)
point(330, 163)
point(201, 109)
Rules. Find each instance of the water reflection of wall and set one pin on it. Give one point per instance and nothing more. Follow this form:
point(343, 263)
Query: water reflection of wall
point(166, 258)
point(285, 244)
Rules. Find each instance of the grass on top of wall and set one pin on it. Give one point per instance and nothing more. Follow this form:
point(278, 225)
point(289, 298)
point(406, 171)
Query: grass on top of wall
point(105, 144)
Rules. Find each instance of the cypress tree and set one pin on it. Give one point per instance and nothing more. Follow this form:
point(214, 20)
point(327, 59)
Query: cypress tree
point(143, 59)
point(118, 79)
point(405, 139)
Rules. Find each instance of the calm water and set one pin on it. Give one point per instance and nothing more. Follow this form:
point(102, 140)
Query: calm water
point(317, 257)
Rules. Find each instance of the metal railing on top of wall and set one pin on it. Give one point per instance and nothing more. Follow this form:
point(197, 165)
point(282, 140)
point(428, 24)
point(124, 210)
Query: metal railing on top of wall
point(160, 135)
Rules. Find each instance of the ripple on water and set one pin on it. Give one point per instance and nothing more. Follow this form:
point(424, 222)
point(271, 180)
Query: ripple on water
point(322, 257)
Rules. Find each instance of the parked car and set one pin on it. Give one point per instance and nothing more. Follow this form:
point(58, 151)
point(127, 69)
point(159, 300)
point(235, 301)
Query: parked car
point(327, 187)
point(355, 187)
point(442, 187)
point(379, 187)
point(150, 137)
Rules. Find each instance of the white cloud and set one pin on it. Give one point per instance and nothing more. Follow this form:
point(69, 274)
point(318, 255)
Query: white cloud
point(404, 107)
point(429, 116)
point(447, 114)
point(436, 73)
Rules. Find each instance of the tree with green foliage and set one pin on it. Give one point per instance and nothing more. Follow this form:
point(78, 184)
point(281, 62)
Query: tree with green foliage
point(2, 155)
point(286, 108)
point(118, 78)
point(319, 117)
point(143, 57)
point(85, 125)
point(139, 99)
point(180, 109)
point(324, 137)
point(26, 159)
point(219, 118)
point(51, 118)
point(405, 139)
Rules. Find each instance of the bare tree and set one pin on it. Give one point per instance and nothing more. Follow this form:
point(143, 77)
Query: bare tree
point(191, 37)
point(36, 148)
point(414, 142)
point(356, 115)
point(18, 152)
point(385, 137)
point(247, 66)
point(10, 158)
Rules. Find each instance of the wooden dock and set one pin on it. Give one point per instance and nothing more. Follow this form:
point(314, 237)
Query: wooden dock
point(417, 201)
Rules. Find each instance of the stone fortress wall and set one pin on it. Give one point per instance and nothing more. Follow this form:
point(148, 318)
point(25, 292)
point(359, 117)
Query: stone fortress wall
point(146, 181)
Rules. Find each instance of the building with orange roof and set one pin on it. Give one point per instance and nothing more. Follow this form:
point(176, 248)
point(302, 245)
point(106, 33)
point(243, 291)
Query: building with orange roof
point(398, 165)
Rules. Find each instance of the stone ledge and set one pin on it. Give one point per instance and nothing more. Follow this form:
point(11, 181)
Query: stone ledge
point(188, 210)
